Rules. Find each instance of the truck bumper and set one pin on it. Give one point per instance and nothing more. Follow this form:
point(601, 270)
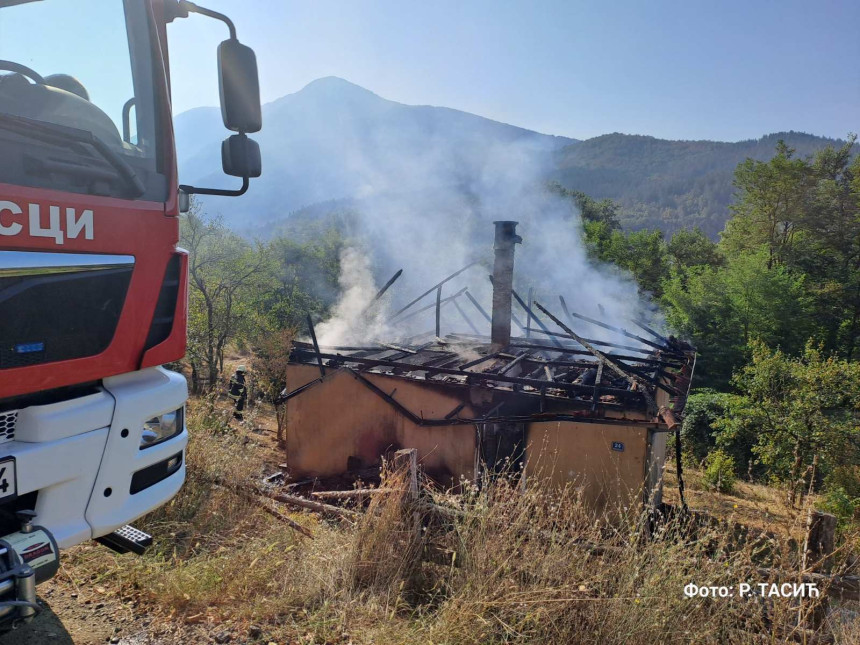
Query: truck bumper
point(81, 455)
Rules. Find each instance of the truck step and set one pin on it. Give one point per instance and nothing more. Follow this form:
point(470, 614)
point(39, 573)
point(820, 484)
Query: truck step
point(126, 539)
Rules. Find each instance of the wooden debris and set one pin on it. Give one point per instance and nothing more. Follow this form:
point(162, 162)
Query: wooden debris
point(347, 494)
point(319, 507)
point(283, 518)
point(274, 477)
point(819, 542)
point(253, 496)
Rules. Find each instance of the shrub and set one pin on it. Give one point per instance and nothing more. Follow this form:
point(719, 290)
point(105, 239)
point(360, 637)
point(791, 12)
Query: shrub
point(271, 357)
point(847, 477)
point(838, 502)
point(720, 471)
point(702, 409)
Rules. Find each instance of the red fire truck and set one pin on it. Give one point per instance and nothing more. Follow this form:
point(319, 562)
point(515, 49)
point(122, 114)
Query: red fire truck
point(93, 289)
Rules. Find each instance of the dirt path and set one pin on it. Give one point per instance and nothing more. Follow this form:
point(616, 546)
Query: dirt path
point(72, 618)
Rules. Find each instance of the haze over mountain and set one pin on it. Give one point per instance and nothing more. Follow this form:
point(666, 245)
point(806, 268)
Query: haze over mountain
point(334, 142)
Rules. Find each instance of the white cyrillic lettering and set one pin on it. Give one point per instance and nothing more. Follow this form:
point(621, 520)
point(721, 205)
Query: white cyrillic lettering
point(53, 229)
point(73, 226)
point(14, 228)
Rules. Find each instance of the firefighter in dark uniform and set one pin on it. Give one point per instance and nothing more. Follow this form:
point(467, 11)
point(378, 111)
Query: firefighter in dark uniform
point(238, 392)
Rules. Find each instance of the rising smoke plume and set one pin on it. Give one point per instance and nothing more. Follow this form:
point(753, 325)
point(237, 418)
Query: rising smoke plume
point(356, 317)
point(430, 212)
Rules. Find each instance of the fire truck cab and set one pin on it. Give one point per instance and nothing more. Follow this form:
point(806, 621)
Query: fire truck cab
point(93, 288)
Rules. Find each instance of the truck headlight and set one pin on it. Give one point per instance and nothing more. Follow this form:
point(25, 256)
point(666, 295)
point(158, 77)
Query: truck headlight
point(161, 428)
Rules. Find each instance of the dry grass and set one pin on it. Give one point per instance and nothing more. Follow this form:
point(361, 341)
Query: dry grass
point(523, 567)
point(756, 505)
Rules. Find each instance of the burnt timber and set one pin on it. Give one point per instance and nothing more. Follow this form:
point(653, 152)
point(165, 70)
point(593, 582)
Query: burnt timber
point(561, 406)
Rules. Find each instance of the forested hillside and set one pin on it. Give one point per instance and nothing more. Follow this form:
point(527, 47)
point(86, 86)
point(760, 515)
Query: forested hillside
point(668, 185)
point(334, 140)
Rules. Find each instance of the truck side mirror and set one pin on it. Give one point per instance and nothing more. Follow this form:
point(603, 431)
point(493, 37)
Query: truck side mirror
point(241, 111)
point(239, 87)
point(240, 156)
point(184, 201)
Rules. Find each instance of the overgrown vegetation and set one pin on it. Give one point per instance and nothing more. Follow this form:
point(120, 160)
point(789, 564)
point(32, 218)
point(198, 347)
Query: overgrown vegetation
point(250, 294)
point(271, 357)
point(518, 566)
point(720, 471)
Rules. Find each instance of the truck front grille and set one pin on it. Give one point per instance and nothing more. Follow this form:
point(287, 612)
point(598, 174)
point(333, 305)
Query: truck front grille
point(8, 421)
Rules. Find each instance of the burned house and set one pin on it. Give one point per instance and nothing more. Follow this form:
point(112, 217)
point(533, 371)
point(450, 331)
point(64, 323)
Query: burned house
point(546, 404)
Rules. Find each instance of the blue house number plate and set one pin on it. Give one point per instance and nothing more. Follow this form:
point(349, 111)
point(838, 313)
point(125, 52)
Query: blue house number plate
point(618, 446)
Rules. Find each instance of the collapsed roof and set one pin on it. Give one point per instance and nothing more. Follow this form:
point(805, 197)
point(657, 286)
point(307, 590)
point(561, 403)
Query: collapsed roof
point(546, 371)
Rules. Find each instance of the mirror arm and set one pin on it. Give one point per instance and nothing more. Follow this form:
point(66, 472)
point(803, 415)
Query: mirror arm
point(181, 9)
point(126, 119)
point(193, 190)
point(184, 7)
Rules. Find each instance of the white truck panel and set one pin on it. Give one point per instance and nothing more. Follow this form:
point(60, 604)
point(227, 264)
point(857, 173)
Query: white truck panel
point(63, 472)
point(72, 451)
point(43, 423)
point(139, 396)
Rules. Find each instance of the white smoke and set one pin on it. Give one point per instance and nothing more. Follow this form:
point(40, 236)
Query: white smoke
point(357, 317)
point(431, 213)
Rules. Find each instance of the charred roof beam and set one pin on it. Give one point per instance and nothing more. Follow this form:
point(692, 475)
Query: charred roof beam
point(572, 314)
point(570, 388)
point(433, 288)
point(453, 418)
point(436, 305)
point(616, 366)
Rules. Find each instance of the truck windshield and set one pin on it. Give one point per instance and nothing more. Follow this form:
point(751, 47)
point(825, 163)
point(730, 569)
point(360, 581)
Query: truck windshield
point(77, 105)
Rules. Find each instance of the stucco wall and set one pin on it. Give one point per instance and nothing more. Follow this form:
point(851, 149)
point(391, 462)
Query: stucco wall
point(341, 418)
point(581, 455)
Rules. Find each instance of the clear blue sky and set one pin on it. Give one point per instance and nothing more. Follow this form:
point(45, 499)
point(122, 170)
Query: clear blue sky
point(684, 69)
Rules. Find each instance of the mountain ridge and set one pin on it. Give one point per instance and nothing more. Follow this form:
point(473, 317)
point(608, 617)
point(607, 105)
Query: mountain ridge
point(335, 141)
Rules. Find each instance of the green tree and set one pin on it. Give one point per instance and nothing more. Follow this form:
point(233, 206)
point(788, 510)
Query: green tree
point(698, 432)
point(723, 308)
point(271, 358)
point(720, 472)
point(227, 275)
point(768, 304)
point(642, 253)
point(771, 204)
point(804, 412)
point(829, 248)
point(689, 248)
point(305, 278)
point(589, 209)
